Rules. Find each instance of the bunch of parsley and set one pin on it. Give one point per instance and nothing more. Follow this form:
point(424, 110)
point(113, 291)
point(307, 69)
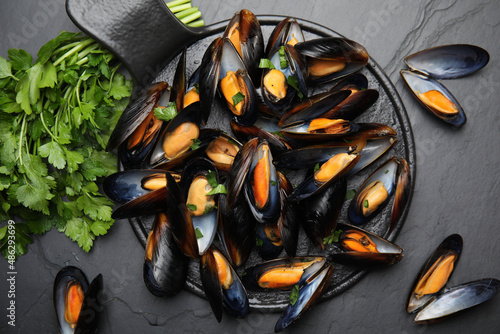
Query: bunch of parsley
point(56, 115)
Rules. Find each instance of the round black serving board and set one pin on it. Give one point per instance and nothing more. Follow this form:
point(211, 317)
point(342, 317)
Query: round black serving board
point(387, 110)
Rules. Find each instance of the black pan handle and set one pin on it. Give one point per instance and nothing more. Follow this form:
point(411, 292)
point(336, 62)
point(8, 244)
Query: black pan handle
point(143, 34)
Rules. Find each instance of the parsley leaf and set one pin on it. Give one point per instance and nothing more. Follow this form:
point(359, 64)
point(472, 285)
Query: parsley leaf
point(365, 203)
point(220, 189)
point(192, 207)
point(350, 194)
point(292, 81)
point(198, 233)
point(266, 63)
point(237, 98)
point(294, 295)
point(196, 144)
point(20, 59)
point(166, 114)
point(333, 237)
point(258, 242)
point(316, 167)
point(212, 178)
point(283, 60)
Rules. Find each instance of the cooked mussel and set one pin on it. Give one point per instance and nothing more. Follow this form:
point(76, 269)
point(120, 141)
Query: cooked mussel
point(261, 185)
point(435, 273)
point(222, 151)
point(365, 249)
point(236, 86)
point(458, 298)
point(165, 266)
point(222, 285)
point(127, 185)
point(268, 241)
point(308, 294)
point(288, 31)
point(246, 35)
point(282, 273)
point(448, 61)
point(376, 192)
point(435, 97)
point(199, 188)
point(76, 303)
point(331, 58)
point(192, 93)
point(319, 130)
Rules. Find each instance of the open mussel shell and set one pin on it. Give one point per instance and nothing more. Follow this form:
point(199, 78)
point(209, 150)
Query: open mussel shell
point(179, 83)
point(457, 299)
point(365, 249)
point(309, 156)
point(449, 61)
point(435, 97)
point(245, 34)
point(320, 211)
point(244, 133)
point(374, 193)
point(308, 294)
point(222, 285)
point(222, 151)
point(261, 185)
point(127, 185)
point(268, 241)
point(329, 172)
point(147, 204)
point(136, 112)
point(198, 174)
point(236, 86)
point(435, 273)
point(288, 225)
point(288, 31)
point(371, 150)
point(209, 76)
point(331, 58)
point(192, 93)
point(356, 81)
point(179, 135)
point(319, 130)
point(282, 273)
point(165, 266)
point(76, 303)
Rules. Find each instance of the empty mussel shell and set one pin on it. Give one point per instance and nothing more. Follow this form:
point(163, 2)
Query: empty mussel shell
point(288, 31)
point(435, 273)
point(449, 61)
point(435, 97)
point(457, 299)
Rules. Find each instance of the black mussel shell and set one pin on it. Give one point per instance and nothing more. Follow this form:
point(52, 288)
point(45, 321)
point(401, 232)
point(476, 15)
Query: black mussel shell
point(435, 97)
point(232, 294)
point(271, 274)
point(374, 194)
point(244, 133)
point(288, 31)
point(320, 211)
point(288, 225)
point(309, 156)
point(268, 241)
point(435, 273)
point(209, 76)
point(364, 249)
point(204, 219)
point(91, 307)
point(127, 185)
point(402, 195)
point(137, 110)
point(457, 299)
point(308, 295)
point(449, 61)
point(239, 170)
point(147, 204)
point(249, 38)
point(307, 132)
point(179, 83)
point(356, 81)
point(165, 266)
point(344, 56)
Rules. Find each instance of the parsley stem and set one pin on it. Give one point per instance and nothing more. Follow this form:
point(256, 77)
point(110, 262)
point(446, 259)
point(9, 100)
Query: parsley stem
point(176, 3)
point(77, 48)
point(54, 138)
point(87, 50)
point(21, 136)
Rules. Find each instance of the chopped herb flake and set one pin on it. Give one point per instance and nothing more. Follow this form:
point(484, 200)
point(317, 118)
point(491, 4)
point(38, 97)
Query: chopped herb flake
point(259, 242)
point(212, 178)
point(197, 88)
point(365, 203)
point(316, 167)
point(237, 98)
point(283, 60)
point(350, 194)
point(196, 144)
point(220, 189)
point(192, 207)
point(294, 295)
point(386, 171)
point(292, 81)
point(166, 114)
point(273, 183)
point(198, 233)
point(333, 237)
point(266, 63)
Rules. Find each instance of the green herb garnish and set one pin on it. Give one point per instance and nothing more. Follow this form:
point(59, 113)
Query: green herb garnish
point(196, 88)
point(212, 178)
point(365, 203)
point(350, 194)
point(386, 171)
point(294, 295)
point(237, 98)
point(219, 189)
point(196, 144)
point(198, 233)
point(278, 133)
point(192, 207)
point(348, 141)
point(56, 115)
point(209, 208)
point(266, 63)
point(294, 82)
point(283, 60)
point(259, 242)
point(273, 183)
point(333, 237)
point(166, 114)
point(316, 167)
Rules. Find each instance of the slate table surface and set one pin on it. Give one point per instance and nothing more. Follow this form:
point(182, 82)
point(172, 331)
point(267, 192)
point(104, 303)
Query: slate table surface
point(456, 186)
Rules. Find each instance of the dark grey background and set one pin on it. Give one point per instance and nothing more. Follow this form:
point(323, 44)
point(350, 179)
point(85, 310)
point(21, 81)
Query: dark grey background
point(456, 189)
